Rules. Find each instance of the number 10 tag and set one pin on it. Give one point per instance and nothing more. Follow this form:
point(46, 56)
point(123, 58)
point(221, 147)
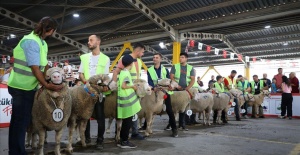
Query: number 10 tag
point(57, 115)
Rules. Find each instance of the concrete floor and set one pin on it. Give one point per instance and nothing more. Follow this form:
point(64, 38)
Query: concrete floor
point(269, 136)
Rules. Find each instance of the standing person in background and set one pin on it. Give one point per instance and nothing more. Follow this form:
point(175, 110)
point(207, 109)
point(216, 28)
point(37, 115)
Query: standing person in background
point(273, 86)
point(68, 72)
point(91, 64)
point(5, 77)
point(244, 86)
point(278, 78)
point(135, 72)
point(230, 83)
point(211, 82)
point(184, 75)
point(294, 82)
point(221, 88)
point(200, 83)
point(30, 66)
point(286, 99)
point(266, 80)
point(256, 87)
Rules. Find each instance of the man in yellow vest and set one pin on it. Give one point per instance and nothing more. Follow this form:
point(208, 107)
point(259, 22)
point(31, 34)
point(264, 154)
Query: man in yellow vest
point(30, 65)
point(244, 86)
point(256, 87)
point(91, 64)
point(184, 75)
point(156, 72)
point(135, 72)
point(230, 83)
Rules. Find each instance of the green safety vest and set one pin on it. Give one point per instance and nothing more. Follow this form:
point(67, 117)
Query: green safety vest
point(219, 87)
point(21, 77)
point(230, 84)
point(101, 66)
point(128, 102)
point(133, 70)
point(154, 76)
point(188, 72)
point(241, 87)
point(261, 85)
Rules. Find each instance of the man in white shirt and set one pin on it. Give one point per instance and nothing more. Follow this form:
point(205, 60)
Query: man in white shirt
point(92, 64)
point(68, 72)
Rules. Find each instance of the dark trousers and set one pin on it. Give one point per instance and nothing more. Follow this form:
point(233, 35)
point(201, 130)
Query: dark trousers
point(182, 119)
point(216, 114)
point(286, 104)
point(100, 117)
point(126, 125)
point(20, 119)
point(245, 106)
point(236, 109)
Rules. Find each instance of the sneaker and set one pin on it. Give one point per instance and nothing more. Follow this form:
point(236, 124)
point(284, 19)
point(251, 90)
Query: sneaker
point(137, 137)
point(252, 116)
point(245, 117)
point(168, 127)
point(142, 129)
point(126, 145)
point(282, 117)
point(175, 133)
point(224, 121)
point(238, 119)
point(290, 118)
point(262, 116)
point(99, 146)
point(183, 129)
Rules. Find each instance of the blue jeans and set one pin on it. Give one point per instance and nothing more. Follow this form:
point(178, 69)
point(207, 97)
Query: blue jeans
point(134, 129)
point(20, 119)
point(236, 108)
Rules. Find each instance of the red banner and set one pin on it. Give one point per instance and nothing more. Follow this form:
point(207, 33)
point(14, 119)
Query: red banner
point(192, 43)
point(224, 54)
point(208, 48)
point(254, 59)
point(240, 57)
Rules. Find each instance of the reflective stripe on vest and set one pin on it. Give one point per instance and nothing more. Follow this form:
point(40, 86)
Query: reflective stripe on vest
point(128, 103)
point(101, 66)
point(218, 87)
point(188, 72)
point(21, 76)
point(133, 71)
point(230, 84)
point(261, 85)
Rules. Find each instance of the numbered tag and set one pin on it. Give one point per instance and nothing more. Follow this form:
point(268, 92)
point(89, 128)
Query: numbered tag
point(233, 104)
point(164, 107)
point(229, 113)
point(189, 112)
point(134, 118)
point(243, 111)
point(57, 115)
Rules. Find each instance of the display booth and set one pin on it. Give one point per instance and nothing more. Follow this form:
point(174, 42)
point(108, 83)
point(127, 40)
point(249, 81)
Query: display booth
point(5, 106)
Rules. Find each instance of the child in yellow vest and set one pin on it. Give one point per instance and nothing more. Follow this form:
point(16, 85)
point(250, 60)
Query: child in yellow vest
point(128, 102)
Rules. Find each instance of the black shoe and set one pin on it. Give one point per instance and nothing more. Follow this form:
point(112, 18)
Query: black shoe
point(126, 145)
point(290, 118)
point(142, 128)
point(168, 127)
point(238, 119)
point(137, 137)
point(175, 133)
point(262, 116)
point(99, 146)
point(214, 121)
point(224, 121)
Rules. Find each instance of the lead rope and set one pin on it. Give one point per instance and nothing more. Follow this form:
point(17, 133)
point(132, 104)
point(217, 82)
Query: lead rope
point(54, 102)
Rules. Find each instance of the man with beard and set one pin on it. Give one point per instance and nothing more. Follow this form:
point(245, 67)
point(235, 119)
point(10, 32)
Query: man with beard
point(30, 64)
point(92, 64)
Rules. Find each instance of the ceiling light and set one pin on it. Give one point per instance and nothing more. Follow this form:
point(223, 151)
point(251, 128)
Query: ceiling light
point(268, 26)
point(162, 45)
point(76, 15)
point(285, 44)
point(12, 36)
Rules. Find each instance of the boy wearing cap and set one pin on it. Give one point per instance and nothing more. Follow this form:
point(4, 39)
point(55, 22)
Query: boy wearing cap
point(128, 103)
